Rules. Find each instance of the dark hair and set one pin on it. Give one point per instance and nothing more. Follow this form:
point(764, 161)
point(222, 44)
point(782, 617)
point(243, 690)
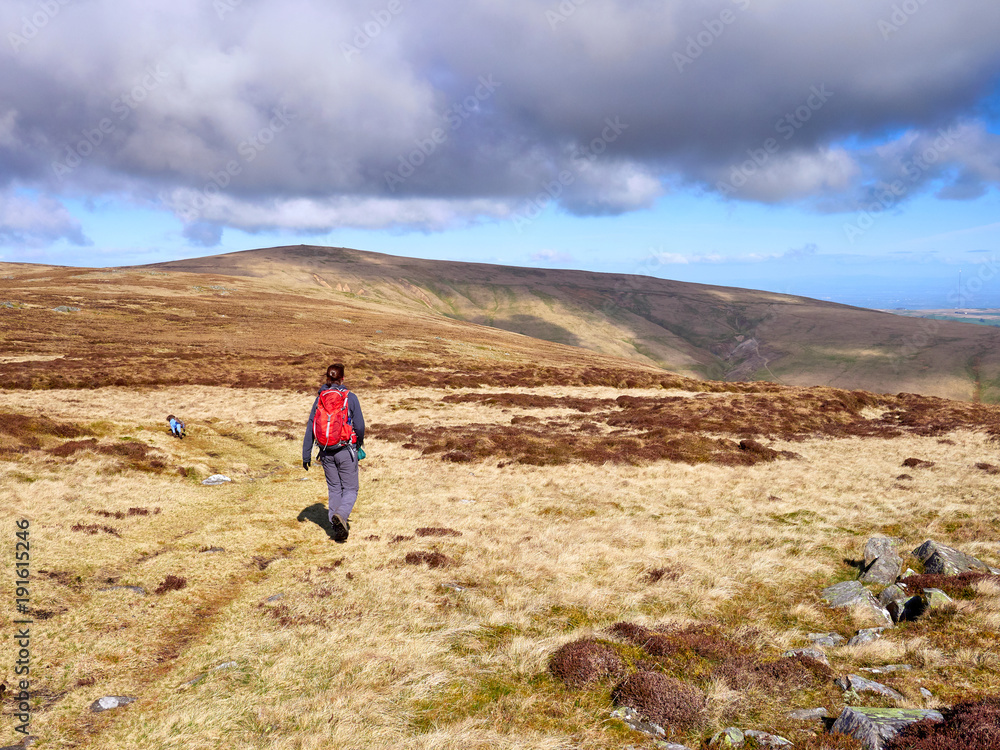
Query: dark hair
point(170, 416)
point(334, 373)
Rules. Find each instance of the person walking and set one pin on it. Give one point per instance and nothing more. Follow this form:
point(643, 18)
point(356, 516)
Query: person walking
point(338, 426)
point(176, 426)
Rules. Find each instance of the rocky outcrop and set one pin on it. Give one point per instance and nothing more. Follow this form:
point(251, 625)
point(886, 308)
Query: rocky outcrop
point(859, 685)
point(876, 726)
point(854, 594)
point(883, 563)
point(942, 560)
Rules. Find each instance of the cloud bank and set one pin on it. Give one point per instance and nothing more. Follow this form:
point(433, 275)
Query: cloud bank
point(315, 114)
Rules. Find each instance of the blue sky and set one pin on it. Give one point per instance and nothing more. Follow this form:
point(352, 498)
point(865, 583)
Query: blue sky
point(843, 150)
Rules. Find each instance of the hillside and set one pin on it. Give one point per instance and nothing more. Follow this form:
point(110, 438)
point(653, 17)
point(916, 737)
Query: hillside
point(701, 331)
point(522, 501)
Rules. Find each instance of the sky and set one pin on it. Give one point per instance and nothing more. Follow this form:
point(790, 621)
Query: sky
point(838, 149)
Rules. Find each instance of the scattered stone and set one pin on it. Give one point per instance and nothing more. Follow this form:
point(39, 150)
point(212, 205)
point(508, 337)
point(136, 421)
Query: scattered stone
point(875, 726)
point(941, 560)
point(861, 685)
point(826, 639)
point(808, 714)
point(883, 563)
point(765, 739)
point(109, 702)
point(892, 593)
point(275, 597)
point(65, 309)
point(854, 594)
point(631, 717)
point(812, 653)
point(866, 635)
point(663, 745)
point(936, 598)
point(216, 479)
point(926, 693)
point(728, 737)
point(133, 589)
point(908, 572)
point(907, 610)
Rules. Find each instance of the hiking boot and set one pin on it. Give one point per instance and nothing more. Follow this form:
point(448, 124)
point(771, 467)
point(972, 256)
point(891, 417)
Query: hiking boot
point(340, 530)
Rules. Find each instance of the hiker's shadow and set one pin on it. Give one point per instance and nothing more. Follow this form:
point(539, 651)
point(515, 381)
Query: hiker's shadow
point(318, 514)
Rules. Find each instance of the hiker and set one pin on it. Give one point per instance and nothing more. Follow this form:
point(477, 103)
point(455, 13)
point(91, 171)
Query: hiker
point(176, 426)
point(336, 423)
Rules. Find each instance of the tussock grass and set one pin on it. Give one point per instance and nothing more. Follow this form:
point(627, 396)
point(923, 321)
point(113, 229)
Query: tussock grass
point(350, 646)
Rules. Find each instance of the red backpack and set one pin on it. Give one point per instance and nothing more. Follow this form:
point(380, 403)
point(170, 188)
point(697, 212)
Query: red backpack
point(330, 425)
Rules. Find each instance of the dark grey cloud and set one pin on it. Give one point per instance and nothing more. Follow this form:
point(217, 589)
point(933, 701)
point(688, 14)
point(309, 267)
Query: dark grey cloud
point(374, 113)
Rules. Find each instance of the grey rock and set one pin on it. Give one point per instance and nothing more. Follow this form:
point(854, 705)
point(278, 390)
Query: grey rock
point(866, 635)
point(134, 589)
point(27, 741)
point(936, 598)
point(765, 739)
point(66, 309)
point(854, 594)
point(875, 726)
point(926, 693)
point(808, 714)
point(274, 597)
point(860, 685)
point(812, 653)
point(662, 745)
point(893, 593)
point(939, 559)
point(216, 479)
point(109, 702)
point(883, 563)
point(826, 639)
point(631, 717)
point(906, 610)
point(907, 573)
point(728, 737)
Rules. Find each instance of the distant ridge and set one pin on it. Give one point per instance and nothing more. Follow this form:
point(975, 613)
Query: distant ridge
point(713, 332)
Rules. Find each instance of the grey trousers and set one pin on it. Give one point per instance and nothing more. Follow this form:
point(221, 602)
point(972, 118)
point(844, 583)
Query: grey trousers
point(341, 470)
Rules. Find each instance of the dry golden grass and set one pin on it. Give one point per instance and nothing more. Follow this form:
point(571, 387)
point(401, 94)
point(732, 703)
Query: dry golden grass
point(363, 650)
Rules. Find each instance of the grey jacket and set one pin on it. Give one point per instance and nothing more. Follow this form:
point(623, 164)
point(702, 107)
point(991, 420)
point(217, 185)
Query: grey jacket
point(354, 416)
